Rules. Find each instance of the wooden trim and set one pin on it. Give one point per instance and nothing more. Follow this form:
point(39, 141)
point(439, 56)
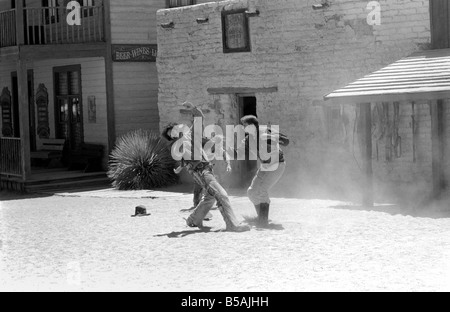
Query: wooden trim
point(366, 139)
point(20, 23)
point(241, 90)
point(437, 137)
point(9, 54)
point(63, 51)
point(109, 73)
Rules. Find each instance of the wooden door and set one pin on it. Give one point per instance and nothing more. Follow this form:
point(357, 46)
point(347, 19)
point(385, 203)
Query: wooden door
point(68, 106)
point(440, 24)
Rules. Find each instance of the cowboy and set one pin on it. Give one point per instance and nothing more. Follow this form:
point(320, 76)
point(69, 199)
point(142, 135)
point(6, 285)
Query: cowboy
point(271, 169)
point(203, 175)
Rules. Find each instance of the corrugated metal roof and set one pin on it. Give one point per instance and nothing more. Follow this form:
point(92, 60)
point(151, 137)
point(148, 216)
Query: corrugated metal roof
point(422, 76)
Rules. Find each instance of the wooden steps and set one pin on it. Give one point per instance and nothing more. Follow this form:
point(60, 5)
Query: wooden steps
point(48, 181)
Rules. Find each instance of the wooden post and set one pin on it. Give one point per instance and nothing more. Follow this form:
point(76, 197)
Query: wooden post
point(20, 31)
point(366, 139)
point(109, 79)
point(22, 82)
point(437, 147)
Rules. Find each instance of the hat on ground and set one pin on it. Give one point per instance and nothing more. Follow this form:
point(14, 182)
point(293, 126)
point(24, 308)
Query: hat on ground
point(141, 211)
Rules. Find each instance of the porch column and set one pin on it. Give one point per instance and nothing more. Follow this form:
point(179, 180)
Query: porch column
point(20, 32)
point(366, 139)
point(437, 147)
point(24, 117)
point(110, 105)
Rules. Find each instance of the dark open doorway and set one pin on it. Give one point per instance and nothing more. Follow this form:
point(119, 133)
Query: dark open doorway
point(248, 105)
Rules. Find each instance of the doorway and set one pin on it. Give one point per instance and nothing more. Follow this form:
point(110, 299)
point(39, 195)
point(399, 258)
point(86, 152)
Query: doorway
point(31, 110)
point(247, 169)
point(68, 106)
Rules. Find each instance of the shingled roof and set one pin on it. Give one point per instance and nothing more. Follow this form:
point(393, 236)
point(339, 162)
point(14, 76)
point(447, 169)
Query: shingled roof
point(423, 75)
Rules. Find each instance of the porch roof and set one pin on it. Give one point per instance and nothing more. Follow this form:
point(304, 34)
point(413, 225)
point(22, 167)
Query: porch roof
point(423, 75)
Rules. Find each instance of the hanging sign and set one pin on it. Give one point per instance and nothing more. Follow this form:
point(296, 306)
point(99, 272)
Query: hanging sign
point(134, 52)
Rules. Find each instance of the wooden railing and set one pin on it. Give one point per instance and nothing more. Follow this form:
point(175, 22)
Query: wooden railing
point(8, 28)
point(10, 157)
point(49, 25)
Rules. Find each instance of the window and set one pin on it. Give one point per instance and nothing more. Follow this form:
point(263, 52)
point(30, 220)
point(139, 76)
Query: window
point(179, 3)
point(236, 36)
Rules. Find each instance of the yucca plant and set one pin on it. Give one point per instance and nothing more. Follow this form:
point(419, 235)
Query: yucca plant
point(141, 160)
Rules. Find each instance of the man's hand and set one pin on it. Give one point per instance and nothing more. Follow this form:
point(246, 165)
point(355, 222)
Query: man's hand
point(229, 169)
point(178, 170)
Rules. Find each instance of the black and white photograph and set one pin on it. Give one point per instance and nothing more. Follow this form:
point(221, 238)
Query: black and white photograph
point(241, 147)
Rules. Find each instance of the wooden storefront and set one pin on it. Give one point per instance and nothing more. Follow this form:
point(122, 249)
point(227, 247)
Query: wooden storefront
point(422, 77)
point(63, 81)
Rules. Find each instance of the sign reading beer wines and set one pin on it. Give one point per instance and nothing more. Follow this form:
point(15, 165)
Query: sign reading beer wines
point(134, 52)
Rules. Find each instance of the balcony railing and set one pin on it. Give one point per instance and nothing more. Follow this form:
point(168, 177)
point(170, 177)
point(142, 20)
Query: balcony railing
point(8, 28)
point(49, 25)
point(10, 157)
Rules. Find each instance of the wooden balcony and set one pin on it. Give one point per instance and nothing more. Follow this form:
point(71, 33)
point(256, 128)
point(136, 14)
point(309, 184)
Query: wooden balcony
point(49, 26)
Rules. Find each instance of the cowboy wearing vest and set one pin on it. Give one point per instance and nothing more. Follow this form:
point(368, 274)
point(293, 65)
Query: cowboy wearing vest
point(272, 166)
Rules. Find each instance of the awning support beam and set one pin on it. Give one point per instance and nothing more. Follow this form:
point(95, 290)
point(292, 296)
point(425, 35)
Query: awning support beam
point(366, 139)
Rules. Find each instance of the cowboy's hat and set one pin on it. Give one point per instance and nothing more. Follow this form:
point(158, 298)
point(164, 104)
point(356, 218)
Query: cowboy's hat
point(141, 211)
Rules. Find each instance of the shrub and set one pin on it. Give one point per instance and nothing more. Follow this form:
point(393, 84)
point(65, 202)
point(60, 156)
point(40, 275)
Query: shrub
point(141, 160)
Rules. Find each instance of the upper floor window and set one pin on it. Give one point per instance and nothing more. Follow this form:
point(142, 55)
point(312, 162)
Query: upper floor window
point(179, 3)
point(235, 30)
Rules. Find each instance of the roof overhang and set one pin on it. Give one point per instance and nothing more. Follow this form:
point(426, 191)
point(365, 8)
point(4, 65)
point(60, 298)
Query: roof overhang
point(422, 76)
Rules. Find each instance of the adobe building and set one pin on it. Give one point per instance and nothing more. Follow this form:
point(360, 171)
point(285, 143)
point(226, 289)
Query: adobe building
point(83, 84)
point(279, 59)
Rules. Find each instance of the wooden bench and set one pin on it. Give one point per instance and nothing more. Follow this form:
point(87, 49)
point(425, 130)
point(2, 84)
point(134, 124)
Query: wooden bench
point(88, 158)
point(50, 150)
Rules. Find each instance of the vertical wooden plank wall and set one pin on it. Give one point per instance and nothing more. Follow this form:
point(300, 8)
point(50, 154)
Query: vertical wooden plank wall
point(135, 84)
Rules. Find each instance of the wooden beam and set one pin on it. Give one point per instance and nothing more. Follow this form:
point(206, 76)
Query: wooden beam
point(412, 97)
point(241, 90)
point(110, 108)
point(20, 31)
point(63, 51)
point(9, 54)
point(437, 132)
point(366, 139)
point(24, 118)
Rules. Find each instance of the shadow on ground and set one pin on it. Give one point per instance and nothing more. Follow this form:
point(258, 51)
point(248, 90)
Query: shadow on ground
point(431, 210)
point(183, 234)
point(253, 222)
point(10, 196)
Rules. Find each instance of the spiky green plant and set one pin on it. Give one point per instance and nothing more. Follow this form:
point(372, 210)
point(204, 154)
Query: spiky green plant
point(141, 160)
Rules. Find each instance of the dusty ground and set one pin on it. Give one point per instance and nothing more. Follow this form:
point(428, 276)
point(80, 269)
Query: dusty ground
point(88, 242)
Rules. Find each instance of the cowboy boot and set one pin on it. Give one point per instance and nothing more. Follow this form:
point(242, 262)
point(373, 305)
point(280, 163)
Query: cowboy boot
point(263, 219)
point(258, 209)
